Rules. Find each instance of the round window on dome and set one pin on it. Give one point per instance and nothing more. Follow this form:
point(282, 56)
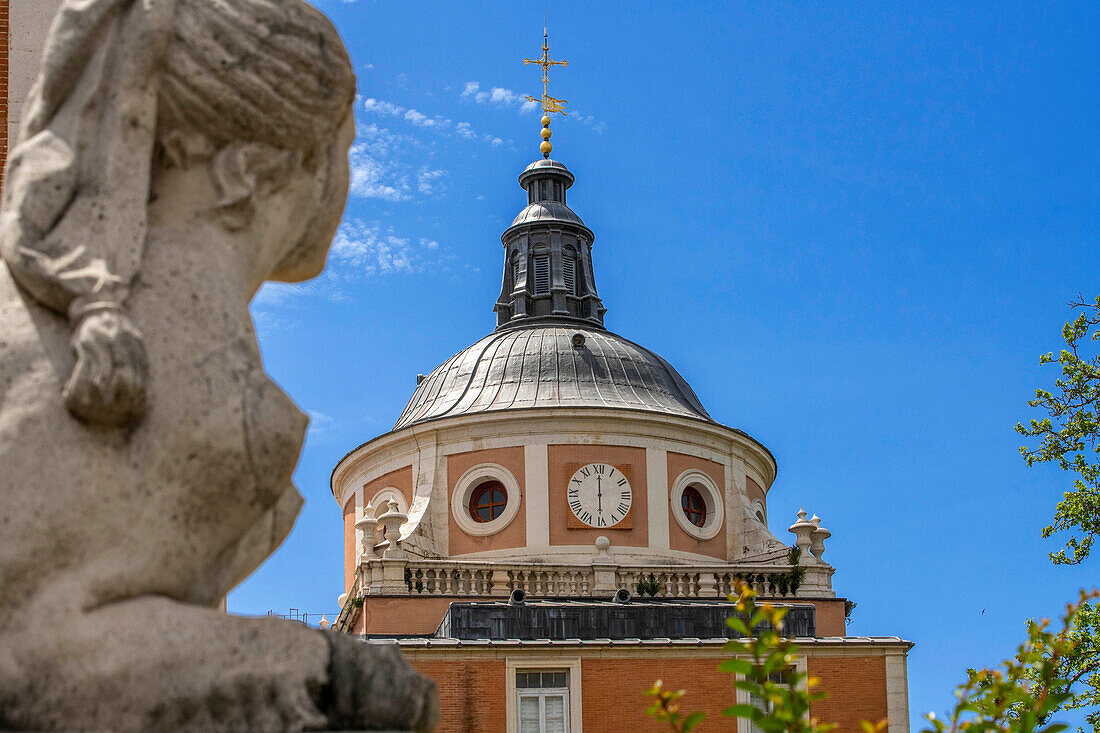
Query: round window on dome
point(697, 504)
point(695, 508)
point(488, 501)
point(485, 499)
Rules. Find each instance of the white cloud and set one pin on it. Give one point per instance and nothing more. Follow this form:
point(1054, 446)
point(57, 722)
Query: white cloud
point(426, 178)
point(364, 249)
point(463, 129)
point(429, 243)
point(497, 142)
point(418, 118)
point(319, 422)
point(498, 96)
point(381, 107)
point(372, 177)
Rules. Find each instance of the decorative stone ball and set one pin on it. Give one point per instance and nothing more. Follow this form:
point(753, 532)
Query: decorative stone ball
point(546, 121)
point(603, 544)
point(546, 133)
point(340, 601)
point(546, 147)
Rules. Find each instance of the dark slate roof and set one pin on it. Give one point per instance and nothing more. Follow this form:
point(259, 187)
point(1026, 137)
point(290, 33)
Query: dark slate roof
point(536, 365)
point(591, 619)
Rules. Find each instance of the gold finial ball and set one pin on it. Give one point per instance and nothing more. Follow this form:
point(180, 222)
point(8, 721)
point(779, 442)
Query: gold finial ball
point(546, 121)
point(546, 147)
point(546, 133)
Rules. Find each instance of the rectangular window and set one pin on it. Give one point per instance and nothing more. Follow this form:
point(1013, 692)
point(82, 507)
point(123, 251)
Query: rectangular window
point(779, 677)
point(542, 274)
point(543, 703)
point(569, 269)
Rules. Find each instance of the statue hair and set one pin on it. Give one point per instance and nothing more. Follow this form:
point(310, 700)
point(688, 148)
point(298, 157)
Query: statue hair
point(254, 88)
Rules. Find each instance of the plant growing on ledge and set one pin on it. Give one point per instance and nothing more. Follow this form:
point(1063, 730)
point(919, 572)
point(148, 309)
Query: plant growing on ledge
point(648, 586)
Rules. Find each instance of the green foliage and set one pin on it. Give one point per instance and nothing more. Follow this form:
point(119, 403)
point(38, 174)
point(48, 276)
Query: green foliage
point(1069, 435)
point(849, 606)
point(1021, 695)
point(1079, 664)
point(763, 664)
point(648, 586)
point(781, 583)
point(666, 710)
point(762, 657)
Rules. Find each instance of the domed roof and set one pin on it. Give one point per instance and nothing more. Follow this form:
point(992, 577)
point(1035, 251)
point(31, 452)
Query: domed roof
point(545, 165)
point(538, 365)
point(546, 211)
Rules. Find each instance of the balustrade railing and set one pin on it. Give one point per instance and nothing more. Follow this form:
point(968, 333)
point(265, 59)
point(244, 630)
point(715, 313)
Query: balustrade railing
point(488, 579)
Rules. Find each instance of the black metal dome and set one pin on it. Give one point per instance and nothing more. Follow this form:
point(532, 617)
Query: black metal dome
point(553, 363)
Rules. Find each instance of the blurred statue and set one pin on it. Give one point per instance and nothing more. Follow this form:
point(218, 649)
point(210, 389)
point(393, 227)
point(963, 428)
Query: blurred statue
point(174, 155)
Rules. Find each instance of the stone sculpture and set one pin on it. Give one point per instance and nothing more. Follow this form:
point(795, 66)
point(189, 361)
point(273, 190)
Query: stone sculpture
point(174, 155)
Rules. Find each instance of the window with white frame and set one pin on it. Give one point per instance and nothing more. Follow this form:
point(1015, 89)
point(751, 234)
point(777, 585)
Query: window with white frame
point(779, 677)
point(542, 701)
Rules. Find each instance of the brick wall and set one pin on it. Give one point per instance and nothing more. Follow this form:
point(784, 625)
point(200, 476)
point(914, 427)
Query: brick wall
point(472, 689)
point(471, 694)
point(856, 687)
point(613, 700)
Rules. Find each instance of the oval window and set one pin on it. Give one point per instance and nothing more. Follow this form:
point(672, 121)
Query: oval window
point(695, 509)
point(488, 500)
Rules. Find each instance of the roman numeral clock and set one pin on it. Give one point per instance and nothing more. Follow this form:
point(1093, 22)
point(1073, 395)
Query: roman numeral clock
point(599, 495)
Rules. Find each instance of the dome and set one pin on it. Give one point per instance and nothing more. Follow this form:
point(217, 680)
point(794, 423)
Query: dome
point(547, 211)
point(537, 365)
point(546, 165)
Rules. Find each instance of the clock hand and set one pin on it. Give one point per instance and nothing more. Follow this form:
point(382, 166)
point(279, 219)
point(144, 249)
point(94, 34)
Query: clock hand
point(599, 496)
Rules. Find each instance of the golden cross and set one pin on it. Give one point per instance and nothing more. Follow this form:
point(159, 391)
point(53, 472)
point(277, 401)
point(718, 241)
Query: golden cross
point(549, 104)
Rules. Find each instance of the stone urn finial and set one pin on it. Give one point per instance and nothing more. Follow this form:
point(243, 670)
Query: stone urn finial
point(323, 623)
point(818, 535)
point(368, 525)
point(802, 531)
point(392, 521)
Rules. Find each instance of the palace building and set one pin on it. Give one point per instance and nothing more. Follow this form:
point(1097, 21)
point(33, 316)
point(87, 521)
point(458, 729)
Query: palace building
point(555, 521)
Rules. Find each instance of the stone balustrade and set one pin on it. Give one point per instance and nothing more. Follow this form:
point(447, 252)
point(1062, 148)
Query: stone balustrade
point(600, 578)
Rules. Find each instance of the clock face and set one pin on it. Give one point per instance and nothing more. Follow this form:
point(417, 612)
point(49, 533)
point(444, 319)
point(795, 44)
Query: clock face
point(599, 495)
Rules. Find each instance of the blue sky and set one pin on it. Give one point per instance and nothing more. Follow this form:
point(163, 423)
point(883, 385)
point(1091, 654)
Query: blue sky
point(852, 228)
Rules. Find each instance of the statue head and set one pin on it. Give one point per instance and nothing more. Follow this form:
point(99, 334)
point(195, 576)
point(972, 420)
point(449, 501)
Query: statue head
point(255, 93)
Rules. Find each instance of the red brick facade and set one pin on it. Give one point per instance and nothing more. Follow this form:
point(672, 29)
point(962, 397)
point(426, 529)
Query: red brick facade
point(612, 695)
point(859, 685)
point(473, 694)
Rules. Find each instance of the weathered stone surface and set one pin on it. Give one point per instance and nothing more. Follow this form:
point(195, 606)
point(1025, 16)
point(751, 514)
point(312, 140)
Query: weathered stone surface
point(174, 155)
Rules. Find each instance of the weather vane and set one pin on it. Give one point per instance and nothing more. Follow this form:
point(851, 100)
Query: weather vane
point(549, 104)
